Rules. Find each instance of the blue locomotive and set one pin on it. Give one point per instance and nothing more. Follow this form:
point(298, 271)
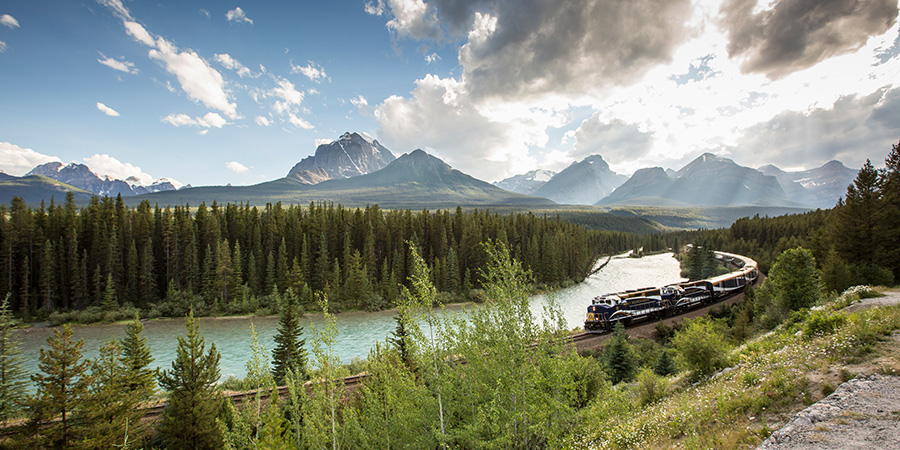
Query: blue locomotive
point(673, 299)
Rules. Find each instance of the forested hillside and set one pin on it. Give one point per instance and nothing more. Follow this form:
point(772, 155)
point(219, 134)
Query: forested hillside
point(222, 259)
point(856, 242)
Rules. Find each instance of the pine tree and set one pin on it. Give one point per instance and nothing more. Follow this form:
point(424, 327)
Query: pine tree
point(619, 356)
point(189, 421)
point(109, 407)
point(289, 347)
point(12, 373)
point(110, 301)
point(665, 365)
point(136, 358)
point(61, 388)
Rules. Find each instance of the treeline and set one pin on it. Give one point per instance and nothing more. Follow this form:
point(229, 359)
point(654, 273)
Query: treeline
point(857, 242)
point(234, 258)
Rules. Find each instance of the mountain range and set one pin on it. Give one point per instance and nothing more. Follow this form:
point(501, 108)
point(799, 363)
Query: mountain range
point(82, 177)
point(355, 170)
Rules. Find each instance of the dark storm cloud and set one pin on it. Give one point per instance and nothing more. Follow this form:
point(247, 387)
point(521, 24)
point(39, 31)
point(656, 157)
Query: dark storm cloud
point(565, 46)
point(856, 128)
point(572, 46)
point(797, 34)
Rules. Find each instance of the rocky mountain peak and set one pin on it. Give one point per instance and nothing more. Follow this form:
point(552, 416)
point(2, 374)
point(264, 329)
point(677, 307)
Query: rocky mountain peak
point(352, 154)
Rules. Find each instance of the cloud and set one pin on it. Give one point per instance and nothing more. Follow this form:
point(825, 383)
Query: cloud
point(415, 19)
point(121, 66)
point(312, 71)
point(792, 35)
point(2, 46)
point(197, 78)
point(230, 63)
point(300, 123)
point(375, 8)
point(616, 141)
point(105, 165)
point(854, 128)
point(139, 33)
point(205, 13)
point(322, 141)
point(361, 104)
point(288, 94)
point(236, 167)
point(434, 57)
point(107, 110)
point(237, 15)
point(9, 21)
point(18, 161)
point(210, 120)
point(263, 121)
point(117, 8)
point(485, 144)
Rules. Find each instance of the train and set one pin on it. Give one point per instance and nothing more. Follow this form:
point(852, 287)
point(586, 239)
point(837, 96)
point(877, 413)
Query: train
point(673, 299)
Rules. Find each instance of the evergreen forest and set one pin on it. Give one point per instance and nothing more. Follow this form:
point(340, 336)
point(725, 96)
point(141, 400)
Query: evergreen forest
point(108, 261)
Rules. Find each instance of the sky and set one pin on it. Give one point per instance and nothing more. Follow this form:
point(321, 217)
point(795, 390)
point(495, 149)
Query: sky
point(217, 92)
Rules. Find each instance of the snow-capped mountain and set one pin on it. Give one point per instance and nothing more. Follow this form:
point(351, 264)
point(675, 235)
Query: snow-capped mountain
point(526, 183)
point(82, 177)
point(348, 156)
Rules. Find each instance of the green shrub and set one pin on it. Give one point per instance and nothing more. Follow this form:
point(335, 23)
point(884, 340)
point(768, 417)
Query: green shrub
point(820, 322)
point(702, 347)
point(650, 387)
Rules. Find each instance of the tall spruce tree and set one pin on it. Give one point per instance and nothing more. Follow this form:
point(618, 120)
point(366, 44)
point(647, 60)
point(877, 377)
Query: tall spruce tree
point(12, 374)
point(289, 349)
point(110, 408)
point(619, 356)
point(136, 359)
point(189, 421)
point(61, 388)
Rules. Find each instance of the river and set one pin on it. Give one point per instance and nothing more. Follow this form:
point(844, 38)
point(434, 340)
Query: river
point(357, 331)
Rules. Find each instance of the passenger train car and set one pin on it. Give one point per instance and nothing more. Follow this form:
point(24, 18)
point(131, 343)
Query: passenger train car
point(673, 299)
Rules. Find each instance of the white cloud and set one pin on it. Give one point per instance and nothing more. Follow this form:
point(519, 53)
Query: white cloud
point(263, 121)
point(9, 21)
point(238, 15)
point(311, 70)
point(18, 161)
point(434, 57)
point(361, 104)
point(210, 120)
point(490, 145)
point(121, 66)
point(205, 13)
point(139, 33)
point(230, 63)
point(105, 165)
point(117, 8)
point(287, 92)
point(236, 167)
point(375, 8)
point(300, 123)
point(2, 46)
point(412, 18)
point(107, 110)
point(322, 141)
point(197, 78)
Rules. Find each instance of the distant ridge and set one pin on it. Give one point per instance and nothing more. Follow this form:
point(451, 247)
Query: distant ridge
point(82, 177)
point(582, 183)
point(413, 180)
point(526, 183)
point(708, 180)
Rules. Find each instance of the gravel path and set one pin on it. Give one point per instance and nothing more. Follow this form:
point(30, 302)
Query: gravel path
point(863, 413)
